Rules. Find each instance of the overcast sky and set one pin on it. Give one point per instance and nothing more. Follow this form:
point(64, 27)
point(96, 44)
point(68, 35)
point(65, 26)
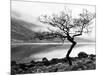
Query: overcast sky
point(29, 11)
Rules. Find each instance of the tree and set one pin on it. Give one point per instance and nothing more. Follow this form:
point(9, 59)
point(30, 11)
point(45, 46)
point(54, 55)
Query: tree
point(67, 27)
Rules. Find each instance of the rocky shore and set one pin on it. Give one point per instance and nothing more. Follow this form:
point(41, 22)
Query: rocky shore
point(82, 62)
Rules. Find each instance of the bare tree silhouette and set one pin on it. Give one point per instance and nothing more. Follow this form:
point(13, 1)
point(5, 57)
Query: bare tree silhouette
point(67, 27)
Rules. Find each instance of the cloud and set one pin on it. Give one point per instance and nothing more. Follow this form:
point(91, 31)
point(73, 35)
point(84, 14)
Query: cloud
point(15, 13)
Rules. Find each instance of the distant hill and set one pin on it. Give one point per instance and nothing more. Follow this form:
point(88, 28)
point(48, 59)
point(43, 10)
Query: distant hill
point(77, 39)
point(20, 30)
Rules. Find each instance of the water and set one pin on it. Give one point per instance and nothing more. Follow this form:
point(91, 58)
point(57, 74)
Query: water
point(28, 52)
point(62, 51)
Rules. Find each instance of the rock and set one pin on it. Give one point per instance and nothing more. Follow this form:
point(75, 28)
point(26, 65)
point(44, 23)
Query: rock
point(32, 62)
point(38, 64)
point(45, 61)
point(82, 55)
point(13, 63)
point(23, 66)
point(92, 57)
point(53, 69)
point(54, 61)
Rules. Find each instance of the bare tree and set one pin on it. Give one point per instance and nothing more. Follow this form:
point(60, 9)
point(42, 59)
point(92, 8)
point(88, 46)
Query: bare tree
point(68, 27)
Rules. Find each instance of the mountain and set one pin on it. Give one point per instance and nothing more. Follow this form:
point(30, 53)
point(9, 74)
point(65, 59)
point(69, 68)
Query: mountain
point(77, 39)
point(20, 30)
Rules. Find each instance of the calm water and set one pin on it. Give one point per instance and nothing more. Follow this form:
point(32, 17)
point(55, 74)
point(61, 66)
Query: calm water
point(37, 52)
point(60, 53)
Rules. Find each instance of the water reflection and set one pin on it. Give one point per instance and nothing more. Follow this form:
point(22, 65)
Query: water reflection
point(37, 52)
point(60, 53)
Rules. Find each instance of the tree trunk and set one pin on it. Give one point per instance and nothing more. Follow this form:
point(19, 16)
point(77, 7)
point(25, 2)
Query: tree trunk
point(69, 51)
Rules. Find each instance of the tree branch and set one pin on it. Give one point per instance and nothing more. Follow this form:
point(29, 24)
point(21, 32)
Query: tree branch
point(79, 33)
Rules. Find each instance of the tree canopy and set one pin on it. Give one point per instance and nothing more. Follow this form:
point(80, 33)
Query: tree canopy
point(68, 26)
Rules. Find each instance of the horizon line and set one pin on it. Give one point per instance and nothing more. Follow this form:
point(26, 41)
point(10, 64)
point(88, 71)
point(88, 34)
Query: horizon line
point(46, 43)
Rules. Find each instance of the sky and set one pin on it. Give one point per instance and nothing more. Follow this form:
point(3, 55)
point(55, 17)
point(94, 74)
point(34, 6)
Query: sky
point(30, 11)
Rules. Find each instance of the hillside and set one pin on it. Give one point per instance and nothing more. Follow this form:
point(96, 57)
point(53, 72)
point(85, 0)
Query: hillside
point(20, 30)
